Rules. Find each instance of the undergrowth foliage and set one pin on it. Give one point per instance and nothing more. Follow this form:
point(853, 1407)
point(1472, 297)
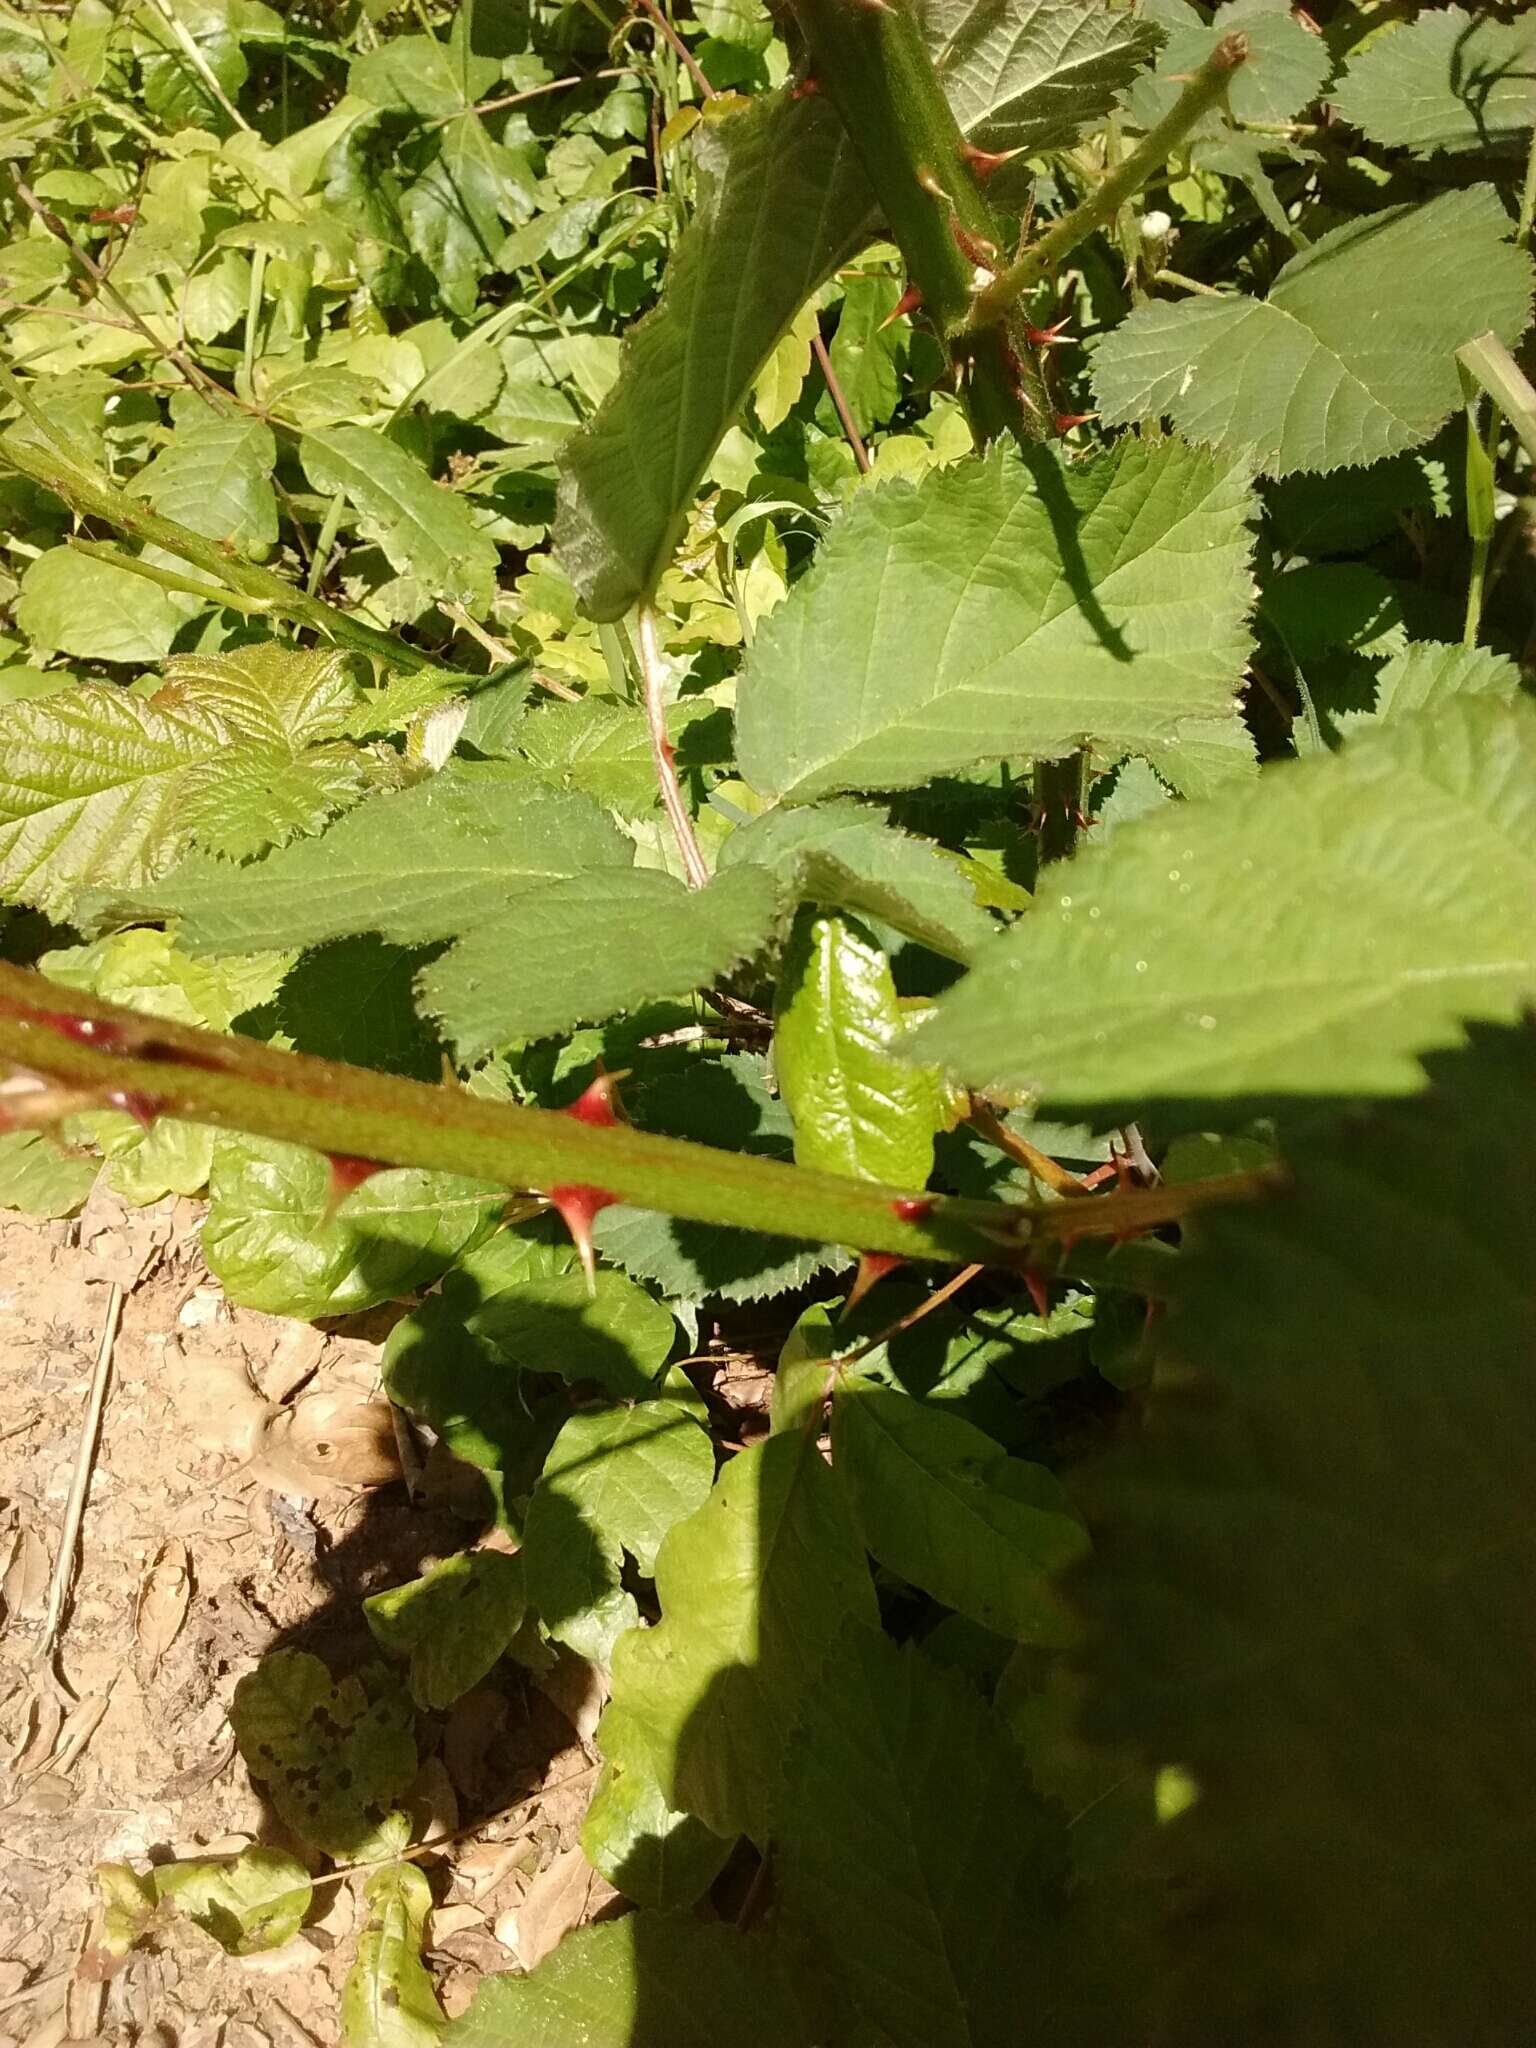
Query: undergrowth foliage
point(846, 684)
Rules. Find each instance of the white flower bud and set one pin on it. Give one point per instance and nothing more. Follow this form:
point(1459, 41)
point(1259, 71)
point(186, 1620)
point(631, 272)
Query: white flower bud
point(1156, 226)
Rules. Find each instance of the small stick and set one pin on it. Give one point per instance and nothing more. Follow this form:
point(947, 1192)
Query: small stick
point(695, 867)
point(80, 1484)
point(926, 1307)
point(695, 69)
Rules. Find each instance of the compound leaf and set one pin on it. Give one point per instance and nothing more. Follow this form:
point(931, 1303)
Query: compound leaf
point(1312, 938)
point(1352, 357)
point(1042, 608)
point(1447, 81)
point(1304, 1575)
point(942, 1506)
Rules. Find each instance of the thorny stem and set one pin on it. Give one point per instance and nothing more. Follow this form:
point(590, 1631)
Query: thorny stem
point(78, 1050)
point(695, 867)
point(1202, 91)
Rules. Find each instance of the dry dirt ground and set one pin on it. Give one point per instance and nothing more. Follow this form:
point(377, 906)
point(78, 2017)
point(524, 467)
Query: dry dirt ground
point(245, 1491)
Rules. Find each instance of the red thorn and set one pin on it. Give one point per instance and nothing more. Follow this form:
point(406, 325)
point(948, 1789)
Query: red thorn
point(598, 1102)
point(909, 302)
point(1049, 337)
point(913, 1208)
point(99, 1032)
point(578, 1206)
point(975, 248)
point(1039, 1293)
point(347, 1171)
point(985, 161)
point(1066, 421)
point(133, 1102)
point(807, 89)
point(873, 1267)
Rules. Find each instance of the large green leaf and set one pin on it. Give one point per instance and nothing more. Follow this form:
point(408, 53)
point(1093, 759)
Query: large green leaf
point(425, 529)
point(615, 1481)
point(452, 1624)
point(844, 856)
point(908, 1822)
point(782, 202)
point(577, 952)
point(1031, 76)
point(644, 1847)
point(414, 866)
point(388, 2000)
point(753, 1589)
point(858, 1107)
point(1310, 1579)
point(940, 1504)
point(1352, 356)
point(79, 604)
point(1284, 71)
point(271, 1240)
point(1311, 938)
point(1449, 80)
point(652, 1980)
point(215, 478)
point(1042, 607)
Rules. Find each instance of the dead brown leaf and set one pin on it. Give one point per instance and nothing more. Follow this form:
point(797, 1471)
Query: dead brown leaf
point(164, 1596)
point(329, 1438)
point(566, 1895)
point(24, 1589)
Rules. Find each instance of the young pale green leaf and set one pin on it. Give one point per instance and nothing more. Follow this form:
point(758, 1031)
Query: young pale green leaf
point(940, 1504)
point(1306, 1578)
point(273, 1243)
point(215, 478)
point(425, 529)
point(615, 1481)
point(388, 2000)
point(782, 202)
point(1448, 81)
point(844, 856)
point(645, 1848)
point(334, 1755)
point(250, 1902)
point(651, 1980)
point(79, 604)
point(580, 951)
point(1044, 607)
point(452, 1624)
point(1352, 357)
point(416, 865)
point(859, 1108)
point(1311, 938)
point(753, 1589)
point(40, 1176)
point(909, 1823)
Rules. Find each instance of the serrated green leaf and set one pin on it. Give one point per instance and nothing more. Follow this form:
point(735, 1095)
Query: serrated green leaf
point(580, 951)
point(452, 1624)
point(940, 1504)
point(1286, 67)
point(145, 970)
point(388, 2000)
point(1311, 938)
point(754, 1588)
point(79, 604)
point(333, 1755)
point(597, 746)
point(909, 1822)
point(782, 201)
point(1426, 673)
point(858, 1107)
point(645, 1848)
point(782, 378)
point(651, 1980)
point(844, 856)
point(864, 350)
point(1446, 81)
point(1325, 606)
point(270, 1242)
point(40, 1176)
point(1308, 1566)
point(424, 529)
point(250, 1902)
point(747, 23)
point(1352, 356)
point(215, 478)
point(1119, 621)
point(615, 1481)
point(414, 866)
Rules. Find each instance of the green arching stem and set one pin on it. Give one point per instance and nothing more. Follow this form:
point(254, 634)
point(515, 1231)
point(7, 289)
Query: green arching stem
point(238, 1084)
point(1202, 91)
